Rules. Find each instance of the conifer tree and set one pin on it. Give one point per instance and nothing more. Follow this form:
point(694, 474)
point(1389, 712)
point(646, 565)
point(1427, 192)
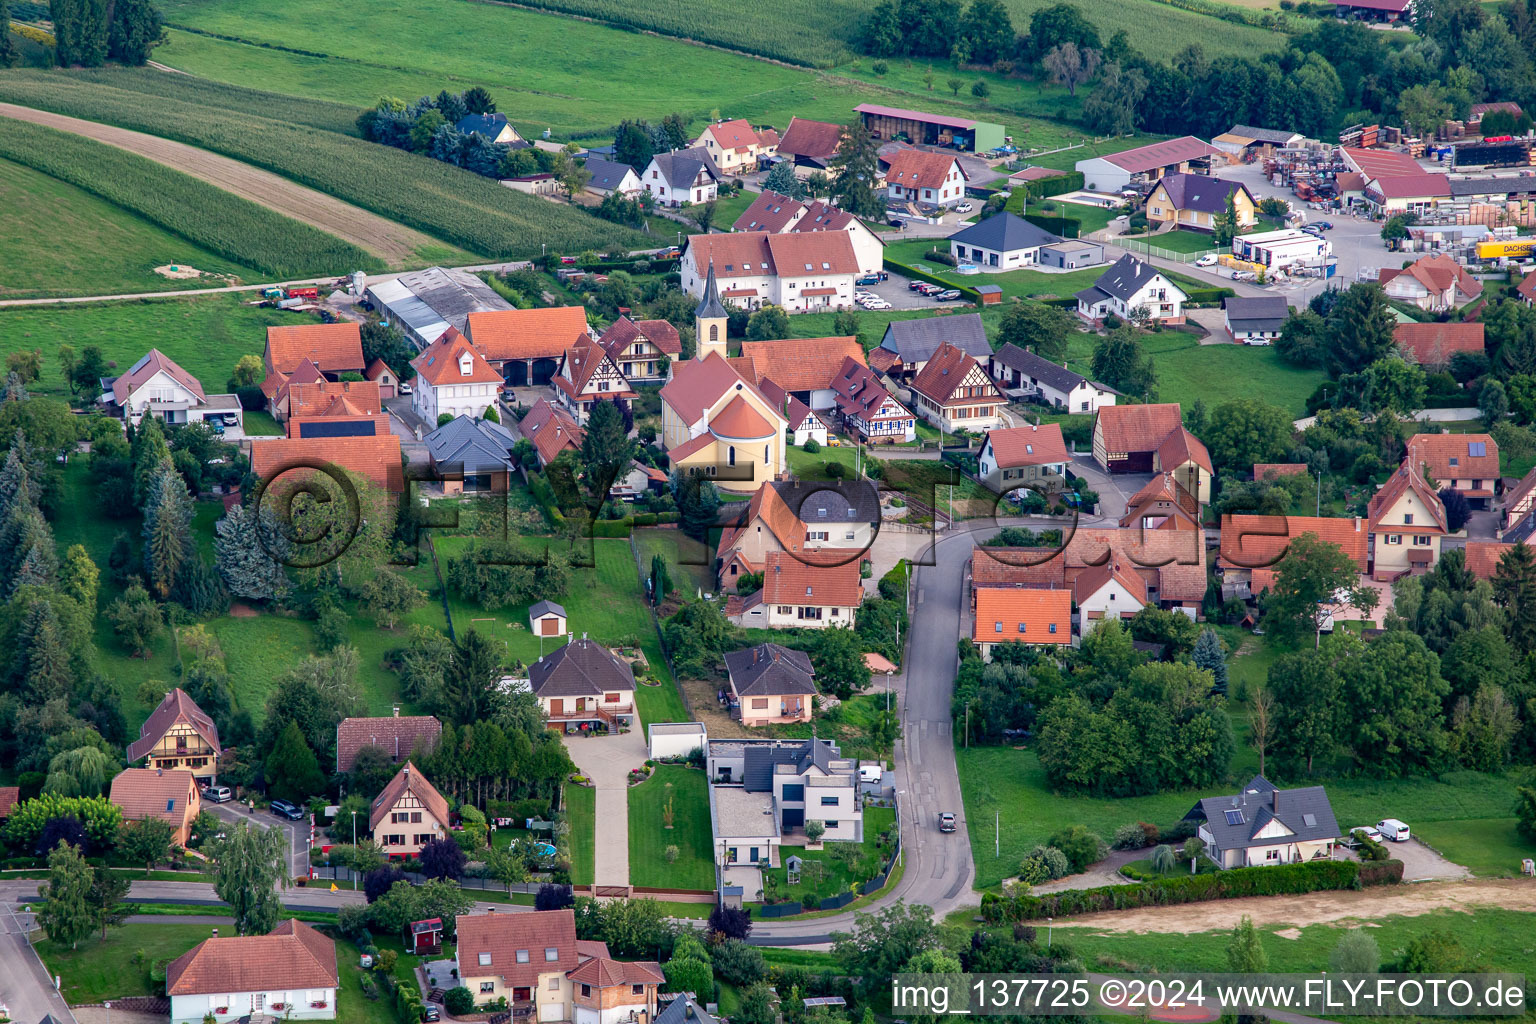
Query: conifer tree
point(169, 550)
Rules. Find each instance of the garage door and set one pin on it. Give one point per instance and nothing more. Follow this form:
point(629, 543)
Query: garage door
point(794, 817)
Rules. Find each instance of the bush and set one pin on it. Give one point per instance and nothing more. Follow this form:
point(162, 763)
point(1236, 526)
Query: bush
point(459, 1001)
point(811, 446)
point(1130, 837)
point(731, 922)
point(836, 470)
point(738, 963)
point(1081, 847)
point(937, 256)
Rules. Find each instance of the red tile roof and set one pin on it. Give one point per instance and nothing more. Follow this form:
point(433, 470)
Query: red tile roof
point(1434, 344)
point(859, 391)
point(377, 457)
point(398, 736)
point(800, 364)
point(738, 254)
point(1411, 186)
point(623, 332)
point(737, 134)
point(789, 581)
point(10, 796)
point(583, 359)
point(814, 139)
point(771, 211)
point(945, 370)
point(1258, 542)
point(1160, 154)
point(502, 936)
point(408, 780)
point(151, 793)
point(1483, 557)
point(319, 397)
point(504, 334)
point(1437, 274)
point(1527, 287)
point(377, 369)
point(152, 363)
point(1021, 615)
point(1096, 577)
point(291, 956)
point(1405, 479)
point(920, 168)
point(1138, 428)
point(1180, 447)
point(1431, 454)
point(438, 364)
point(1042, 568)
point(175, 707)
point(1028, 446)
point(1162, 488)
point(1381, 163)
point(603, 972)
point(697, 384)
point(738, 420)
point(551, 429)
point(335, 348)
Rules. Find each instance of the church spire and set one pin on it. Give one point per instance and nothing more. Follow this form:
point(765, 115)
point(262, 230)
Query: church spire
point(709, 307)
point(709, 320)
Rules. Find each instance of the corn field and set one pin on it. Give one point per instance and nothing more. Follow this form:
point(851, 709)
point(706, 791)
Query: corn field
point(448, 202)
point(224, 224)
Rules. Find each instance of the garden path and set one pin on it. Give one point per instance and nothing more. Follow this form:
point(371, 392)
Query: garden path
point(607, 760)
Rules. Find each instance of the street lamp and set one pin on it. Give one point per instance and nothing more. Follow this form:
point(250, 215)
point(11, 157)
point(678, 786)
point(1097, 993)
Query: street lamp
point(354, 847)
point(1048, 931)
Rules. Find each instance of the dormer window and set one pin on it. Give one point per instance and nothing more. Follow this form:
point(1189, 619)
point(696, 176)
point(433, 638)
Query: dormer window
point(466, 365)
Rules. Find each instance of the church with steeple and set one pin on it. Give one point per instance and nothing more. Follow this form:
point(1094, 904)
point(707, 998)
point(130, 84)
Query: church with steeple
point(709, 320)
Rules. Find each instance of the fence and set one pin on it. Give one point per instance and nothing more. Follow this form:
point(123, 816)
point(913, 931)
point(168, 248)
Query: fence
point(442, 586)
point(1137, 245)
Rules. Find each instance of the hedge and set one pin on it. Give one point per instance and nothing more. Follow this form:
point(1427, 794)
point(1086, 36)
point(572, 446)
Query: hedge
point(1288, 879)
point(544, 494)
point(611, 527)
point(1056, 223)
point(1208, 294)
point(922, 275)
point(1044, 188)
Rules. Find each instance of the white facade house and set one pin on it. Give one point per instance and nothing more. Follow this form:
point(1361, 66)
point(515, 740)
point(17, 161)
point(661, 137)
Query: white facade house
point(925, 178)
point(1021, 371)
point(1131, 287)
point(682, 176)
point(800, 271)
point(1106, 592)
point(157, 386)
point(1264, 826)
point(779, 214)
point(290, 973)
point(1003, 241)
point(453, 378)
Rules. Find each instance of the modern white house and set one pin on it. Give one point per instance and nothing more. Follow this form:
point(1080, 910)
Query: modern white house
point(1266, 826)
point(1131, 286)
point(453, 378)
point(1255, 320)
point(1023, 374)
point(682, 176)
point(157, 386)
point(288, 974)
point(609, 177)
point(1004, 241)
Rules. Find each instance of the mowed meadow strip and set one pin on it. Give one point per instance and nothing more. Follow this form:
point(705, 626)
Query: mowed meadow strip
point(449, 202)
point(209, 217)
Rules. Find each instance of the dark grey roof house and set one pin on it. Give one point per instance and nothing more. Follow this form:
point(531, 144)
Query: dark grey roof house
point(1261, 315)
point(1036, 369)
point(848, 501)
point(582, 668)
point(915, 341)
point(1003, 233)
point(1263, 825)
point(1124, 278)
point(684, 1009)
point(609, 175)
point(470, 446)
point(680, 168)
point(492, 126)
point(770, 669)
point(759, 761)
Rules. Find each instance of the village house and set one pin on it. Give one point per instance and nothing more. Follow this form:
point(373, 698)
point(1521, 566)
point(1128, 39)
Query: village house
point(770, 684)
point(387, 381)
point(924, 178)
point(821, 523)
point(552, 431)
point(334, 409)
point(1483, 557)
point(582, 686)
point(470, 455)
point(810, 144)
point(1038, 568)
point(1033, 457)
point(524, 346)
point(1152, 439)
point(907, 345)
point(867, 410)
point(803, 424)
point(1194, 202)
point(1435, 283)
point(522, 958)
point(1131, 288)
point(399, 736)
point(779, 214)
point(452, 378)
point(1252, 545)
point(588, 374)
point(1407, 522)
point(717, 423)
point(1519, 503)
point(953, 392)
point(1264, 826)
point(335, 349)
point(803, 367)
point(1434, 345)
point(1000, 242)
point(170, 795)
point(408, 814)
point(737, 147)
point(798, 593)
point(157, 386)
point(799, 271)
point(1019, 615)
point(494, 127)
point(278, 388)
point(376, 458)
point(289, 973)
point(609, 991)
point(1162, 504)
point(1145, 163)
point(177, 734)
point(1255, 320)
point(1171, 563)
point(643, 350)
point(1526, 289)
point(682, 176)
point(610, 177)
point(804, 780)
point(1023, 374)
point(1406, 193)
point(1111, 591)
point(1466, 463)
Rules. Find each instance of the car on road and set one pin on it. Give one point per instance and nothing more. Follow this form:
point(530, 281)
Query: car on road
point(1244, 275)
point(1391, 828)
point(218, 794)
point(1353, 840)
point(284, 809)
point(947, 821)
point(896, 222)
point(948, 296)
point(1208, 260)
point(964, 207)
point(1324, 225)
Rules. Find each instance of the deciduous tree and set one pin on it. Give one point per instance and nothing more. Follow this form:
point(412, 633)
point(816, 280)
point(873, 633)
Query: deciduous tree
point(66, 915)
point(146, 841)
point(249, 864)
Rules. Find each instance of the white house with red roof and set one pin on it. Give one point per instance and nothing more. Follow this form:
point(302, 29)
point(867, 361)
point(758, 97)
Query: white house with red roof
point(453, 378)
point(589, 374)
point(925, 177)
point(1108, 591)
point(737, 147)
point(953, 392)
point(1435, 283)
point(800, 271)
point(642, 349)
point(1407, 522)
point(777, 213)
point(157, 386)
point(1034, 457)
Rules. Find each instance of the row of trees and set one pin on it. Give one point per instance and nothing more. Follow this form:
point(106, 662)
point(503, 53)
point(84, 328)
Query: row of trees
point(89, 33)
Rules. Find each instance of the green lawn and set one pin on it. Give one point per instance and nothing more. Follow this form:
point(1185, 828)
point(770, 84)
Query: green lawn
point(836, 875)
point(1488, 846)
point(689, 562)
point(810, 466)
point(1000, 779)
point(100, 970)
point(1495, 939)
point(258, 422)
point(581, 812)
point(690, 832)
point(873, 322)
point(1180, 241)
point(207, 336)
point(728, 208)
point(61, 240)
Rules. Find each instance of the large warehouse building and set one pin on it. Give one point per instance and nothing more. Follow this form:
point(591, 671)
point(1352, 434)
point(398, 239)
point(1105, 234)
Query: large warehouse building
point(892, 123)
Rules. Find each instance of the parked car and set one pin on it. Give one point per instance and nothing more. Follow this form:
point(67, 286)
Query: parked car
point(284, 809)
point(950, 295)
point(1244, 275)
point(946, 821)
point(833, 442)
point(877, 304)
point(430, 1013)
point(915, 285)
point(1208, 260)
point(870, 773)
point(1391, 828)
point(964, 207)
point(1353, 840)
point(231, 419)
point(404, 389)
point(867, 279)
point(1325, 225)
point(567, 261)
point(896, 222)
point(218, 794)
point(217, 425)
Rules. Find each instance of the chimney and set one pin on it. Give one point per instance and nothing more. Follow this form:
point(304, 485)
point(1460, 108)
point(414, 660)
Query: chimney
point(775, 655)
point(215, 933)
point(397, 710)
point(1274, 801)
point(491, 911)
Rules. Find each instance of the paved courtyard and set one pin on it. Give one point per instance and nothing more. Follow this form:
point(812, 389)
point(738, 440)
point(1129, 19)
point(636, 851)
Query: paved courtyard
point(606, 760)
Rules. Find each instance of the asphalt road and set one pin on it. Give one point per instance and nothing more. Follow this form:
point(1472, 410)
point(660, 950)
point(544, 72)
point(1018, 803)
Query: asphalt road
point(25, 988)
point(296, 831)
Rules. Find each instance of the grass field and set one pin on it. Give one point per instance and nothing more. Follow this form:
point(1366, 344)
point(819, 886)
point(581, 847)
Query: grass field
point(996, 779)
point(1488, 846)
point(728, 208)
point(689, 563)
point(836, 877)
point(207, 336)
point(217, 221)
point(581, 811)
point(452, 204)
point(1181, 241)
point(873, 322)
point(649, 837)
point(61, 240)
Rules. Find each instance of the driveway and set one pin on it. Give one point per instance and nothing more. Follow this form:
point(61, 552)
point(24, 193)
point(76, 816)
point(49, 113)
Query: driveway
point(298, 832)
point(1105, 872)
point(25, 987)
point(606, 760)
point(1421, 864)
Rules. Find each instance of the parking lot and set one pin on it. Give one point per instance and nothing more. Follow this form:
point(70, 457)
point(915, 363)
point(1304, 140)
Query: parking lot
point(896, 292)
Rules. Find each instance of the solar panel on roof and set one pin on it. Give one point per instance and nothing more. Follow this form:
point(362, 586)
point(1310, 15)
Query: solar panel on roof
point(343, 428)
point(1234, 817)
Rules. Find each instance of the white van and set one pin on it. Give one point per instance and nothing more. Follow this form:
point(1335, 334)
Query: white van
point(1393, 829)
point(871, 773)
